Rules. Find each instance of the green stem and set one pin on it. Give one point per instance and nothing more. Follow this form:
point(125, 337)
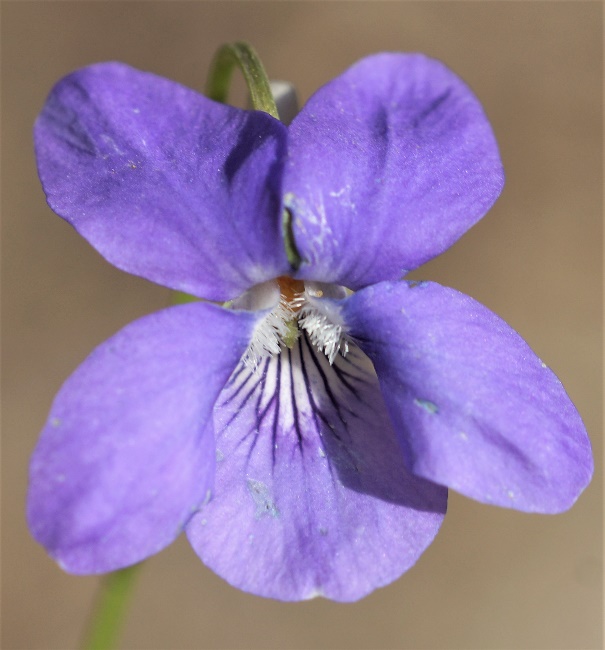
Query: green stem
point(104, 625)
point(244, 56)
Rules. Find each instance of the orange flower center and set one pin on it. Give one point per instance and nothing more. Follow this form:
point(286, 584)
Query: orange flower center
point(290, 288)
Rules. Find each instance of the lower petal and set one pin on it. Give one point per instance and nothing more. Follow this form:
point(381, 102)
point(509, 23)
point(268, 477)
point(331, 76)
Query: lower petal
point(312, 497)
point(474, 408)
point(127, 453)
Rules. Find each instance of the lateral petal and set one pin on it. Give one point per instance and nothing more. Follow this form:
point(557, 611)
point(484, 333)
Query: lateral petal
point(163, 182)
point(388, 165)
point(474, 408)
point(127, 453)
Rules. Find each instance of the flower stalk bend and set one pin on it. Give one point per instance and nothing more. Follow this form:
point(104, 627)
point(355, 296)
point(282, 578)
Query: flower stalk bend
point(244, 56)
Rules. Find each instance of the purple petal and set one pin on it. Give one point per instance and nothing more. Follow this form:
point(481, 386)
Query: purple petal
point(312, 497)
point(474, 408)
point(127, 453)
point(388, 165)
point(164, 182)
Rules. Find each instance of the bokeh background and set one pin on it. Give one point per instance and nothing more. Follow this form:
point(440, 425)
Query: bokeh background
point(493, 578)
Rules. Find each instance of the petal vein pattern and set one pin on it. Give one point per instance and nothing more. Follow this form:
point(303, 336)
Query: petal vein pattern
point(311, 493)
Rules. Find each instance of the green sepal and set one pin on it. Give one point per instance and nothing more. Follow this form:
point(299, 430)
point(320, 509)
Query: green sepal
point(182, 298)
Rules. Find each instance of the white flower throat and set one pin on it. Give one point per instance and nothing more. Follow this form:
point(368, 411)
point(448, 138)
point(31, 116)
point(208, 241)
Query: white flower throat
point(299, 307)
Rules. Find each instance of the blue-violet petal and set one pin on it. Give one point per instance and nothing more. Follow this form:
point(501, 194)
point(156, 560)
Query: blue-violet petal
point(127, 453)
point(474, 408)
point(388, 165)
point(164, 182)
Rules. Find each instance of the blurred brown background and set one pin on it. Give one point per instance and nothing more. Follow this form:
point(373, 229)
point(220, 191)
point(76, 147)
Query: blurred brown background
point(493, 578)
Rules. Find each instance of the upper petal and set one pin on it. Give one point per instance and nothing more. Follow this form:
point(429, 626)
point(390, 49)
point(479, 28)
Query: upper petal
point(312, 496)
point(475, 409)
point(388, 165)
point(164, 182)
point(127, 453)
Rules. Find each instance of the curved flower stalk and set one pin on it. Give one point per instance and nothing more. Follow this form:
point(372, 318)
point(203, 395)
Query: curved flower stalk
point(304, 434)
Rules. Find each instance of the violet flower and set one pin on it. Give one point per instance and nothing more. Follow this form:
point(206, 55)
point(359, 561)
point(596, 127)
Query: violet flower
point(303, 436)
